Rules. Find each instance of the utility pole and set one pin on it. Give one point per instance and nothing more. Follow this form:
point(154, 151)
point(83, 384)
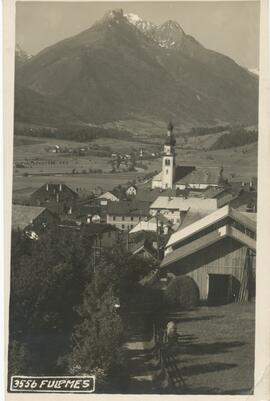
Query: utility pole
point(157, 232)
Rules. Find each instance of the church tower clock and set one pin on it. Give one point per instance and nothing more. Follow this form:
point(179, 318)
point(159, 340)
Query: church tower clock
point(168, 159)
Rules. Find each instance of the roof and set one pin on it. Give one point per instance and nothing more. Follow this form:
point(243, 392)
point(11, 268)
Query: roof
point(108, 195)
point(157, 177)
point(212, 192)
point(206, 240)
point(98, 228)
point(149, 195)
point(23, 216)
point(151, 224)
point(53, 187)
point(137, 247)
point(184, 204)
point(128, 208)
point(207, 221)
point(192, 216)
point(201, 175)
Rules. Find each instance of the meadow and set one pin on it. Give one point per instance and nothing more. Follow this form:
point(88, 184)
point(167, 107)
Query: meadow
point(35, 165)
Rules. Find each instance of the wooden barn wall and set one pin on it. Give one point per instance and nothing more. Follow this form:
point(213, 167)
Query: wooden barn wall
point(224, 257)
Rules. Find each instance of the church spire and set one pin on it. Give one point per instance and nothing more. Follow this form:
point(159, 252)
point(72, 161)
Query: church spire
point(170, 139)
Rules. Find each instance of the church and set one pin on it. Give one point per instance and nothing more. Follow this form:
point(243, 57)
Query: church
point(183, 177)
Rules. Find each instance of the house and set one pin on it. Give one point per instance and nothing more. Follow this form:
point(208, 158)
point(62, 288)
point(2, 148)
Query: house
point(58, 198)
point(175, 208)
point(151, 225)
point(32, 218)
point(105, 236)
point(107, 196)
point(218, 253)
point(224, 195)
point(182, 177)
point(131, 190)
point(144, 249)
point(126, 214)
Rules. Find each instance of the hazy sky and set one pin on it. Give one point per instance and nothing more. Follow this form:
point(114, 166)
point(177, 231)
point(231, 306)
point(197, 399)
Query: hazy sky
point(231, 27)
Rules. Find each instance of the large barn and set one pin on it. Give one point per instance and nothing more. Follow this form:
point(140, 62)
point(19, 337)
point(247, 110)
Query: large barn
point(218, 253)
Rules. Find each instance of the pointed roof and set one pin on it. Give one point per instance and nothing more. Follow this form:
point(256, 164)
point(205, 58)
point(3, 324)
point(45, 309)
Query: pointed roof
point(209, 220)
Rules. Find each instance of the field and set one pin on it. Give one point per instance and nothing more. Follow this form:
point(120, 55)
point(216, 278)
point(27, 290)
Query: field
point(35, 165)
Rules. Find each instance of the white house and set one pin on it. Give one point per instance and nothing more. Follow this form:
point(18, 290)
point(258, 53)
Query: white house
point(107, 196)
point(132, 190)
point(176, 208)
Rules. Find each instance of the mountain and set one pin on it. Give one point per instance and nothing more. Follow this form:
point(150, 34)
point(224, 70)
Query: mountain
point(123, 67)
point(21, 57)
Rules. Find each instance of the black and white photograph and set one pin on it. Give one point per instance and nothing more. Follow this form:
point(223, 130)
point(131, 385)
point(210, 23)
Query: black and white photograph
point(133, 256)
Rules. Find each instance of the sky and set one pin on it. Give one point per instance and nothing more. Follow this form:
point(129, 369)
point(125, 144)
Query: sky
point(229, 27)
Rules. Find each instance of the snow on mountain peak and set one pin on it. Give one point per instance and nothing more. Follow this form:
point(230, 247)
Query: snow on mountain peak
point(140, 23)
point(133, 18)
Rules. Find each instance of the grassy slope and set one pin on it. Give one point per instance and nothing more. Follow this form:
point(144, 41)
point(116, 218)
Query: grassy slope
point(217, 351)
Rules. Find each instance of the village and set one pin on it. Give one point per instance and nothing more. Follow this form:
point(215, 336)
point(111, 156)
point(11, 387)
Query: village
point(189, 222)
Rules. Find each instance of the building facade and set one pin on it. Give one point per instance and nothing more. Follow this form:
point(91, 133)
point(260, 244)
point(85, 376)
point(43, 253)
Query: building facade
point(125, 215)
point(218, 253)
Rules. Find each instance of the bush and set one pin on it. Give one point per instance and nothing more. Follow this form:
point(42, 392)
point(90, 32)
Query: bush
point(182, 292)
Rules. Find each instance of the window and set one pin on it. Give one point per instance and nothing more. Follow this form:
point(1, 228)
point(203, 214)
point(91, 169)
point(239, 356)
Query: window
point(114, 218)
point(167, 162)
point(123, 226)
point(131, 226)
point(123, 218)
point(131, 218)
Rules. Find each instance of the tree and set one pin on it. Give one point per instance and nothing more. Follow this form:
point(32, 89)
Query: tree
point(47, 280)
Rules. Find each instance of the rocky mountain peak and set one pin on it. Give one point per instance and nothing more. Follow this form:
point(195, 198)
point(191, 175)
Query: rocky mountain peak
point(139, 22)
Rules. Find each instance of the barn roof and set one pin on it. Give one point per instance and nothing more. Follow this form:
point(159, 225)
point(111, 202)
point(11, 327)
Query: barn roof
point(23, 216)
point(209, 220)
point(202, 242)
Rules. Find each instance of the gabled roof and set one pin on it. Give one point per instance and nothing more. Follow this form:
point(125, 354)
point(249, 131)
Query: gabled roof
point(209, 220)
point(202, 175)
point(143, 245)
point(108, 195)
point(151, 224)
point(184, 204)
point(23, 216)
point(128, 208)
point(157, 177)
point(206, 240)
point(53, 188)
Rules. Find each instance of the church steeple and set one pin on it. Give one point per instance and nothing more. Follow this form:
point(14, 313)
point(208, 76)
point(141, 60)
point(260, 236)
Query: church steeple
point(168, 160)
point(170, 139)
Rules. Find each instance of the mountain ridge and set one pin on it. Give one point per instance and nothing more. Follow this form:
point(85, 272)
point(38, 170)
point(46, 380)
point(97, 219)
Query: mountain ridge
point(117, 68)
